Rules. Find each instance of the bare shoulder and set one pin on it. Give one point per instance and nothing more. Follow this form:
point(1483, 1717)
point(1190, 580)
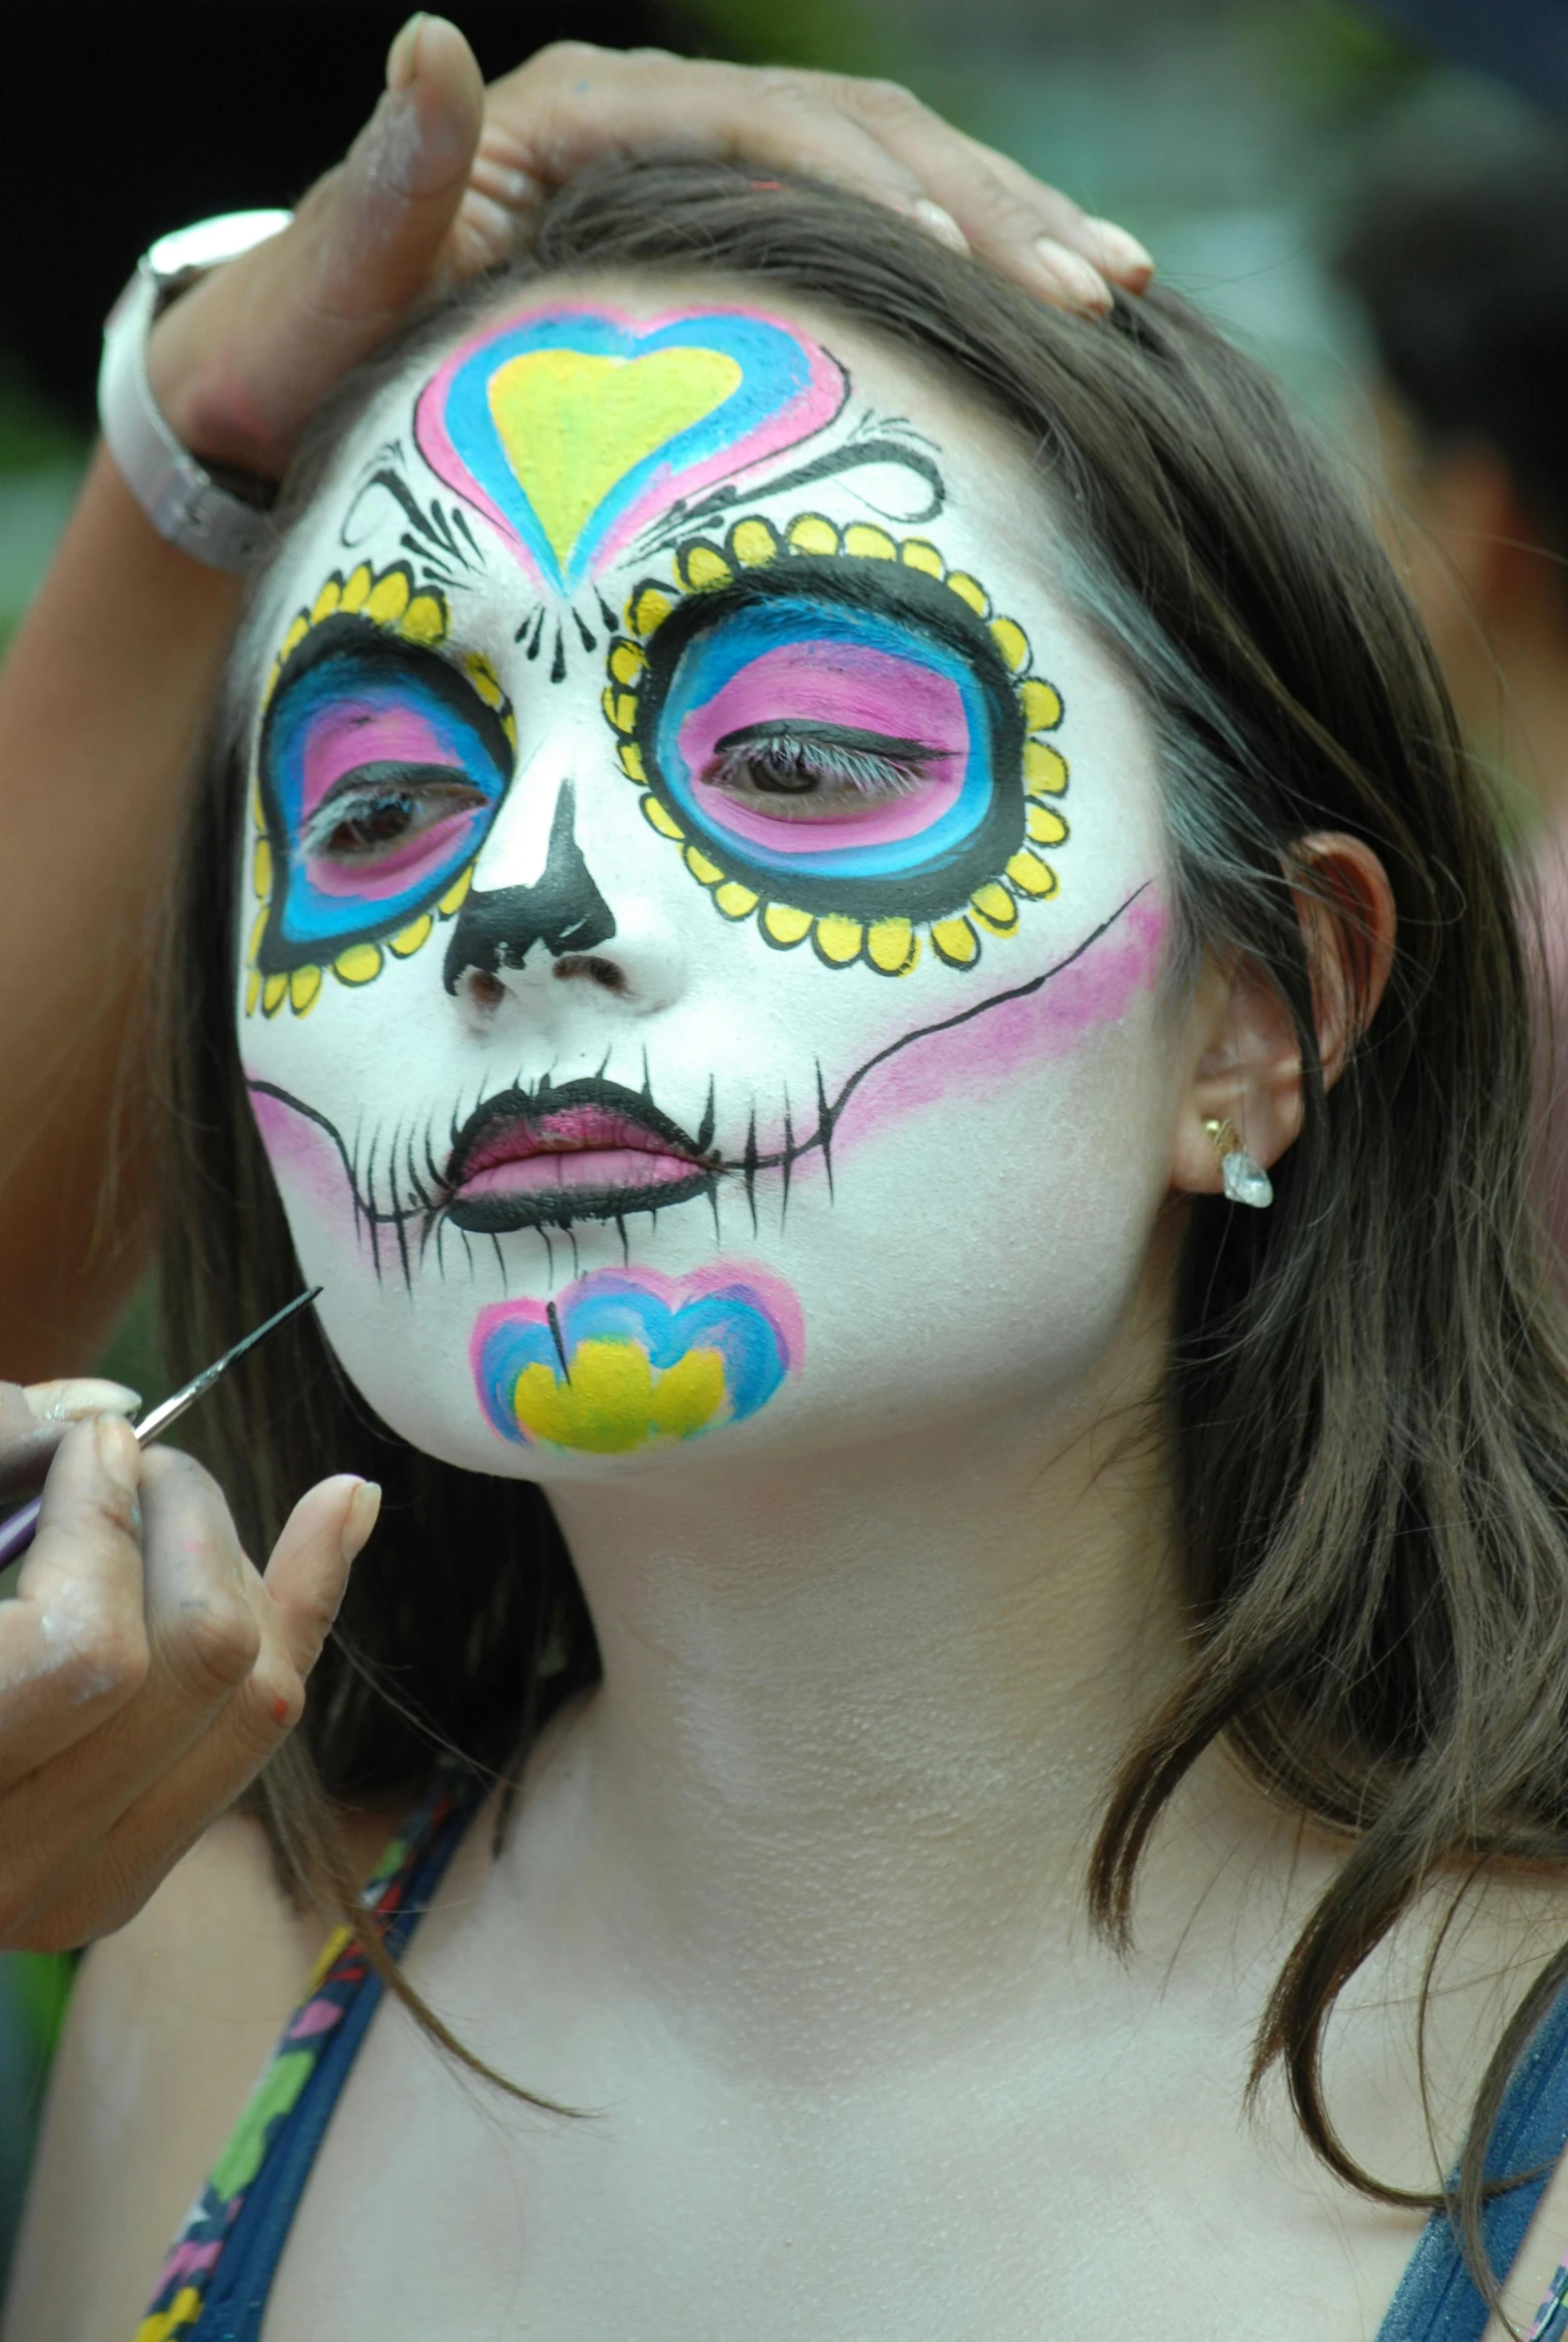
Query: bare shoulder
point(170, 2023)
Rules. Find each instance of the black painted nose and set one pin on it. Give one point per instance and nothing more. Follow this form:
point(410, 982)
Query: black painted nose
point(564, 910)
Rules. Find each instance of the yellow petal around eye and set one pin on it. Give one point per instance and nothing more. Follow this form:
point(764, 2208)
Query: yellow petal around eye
point(253, 991)
point(662, 819)
point(867, 543)
point(838, 940)
point(892, 946)
point(1011, 643)
point(647, 611)
point(357, 964)
point(627, 662)
point(703, 566)
point(1046, 825)
point(995, 907)
point(456, 894)
point(1042, 704)
point(408, 939)
point(387, 598)
point(273, 992)
point(261, 869)
point(1030, 875)
point(812, 535)
point(783, 926)
point(1045, 769)
point(702, 868)
point(753, 544)
point(258, 817)
point(257, 930)
point(304, 986)
point(296, 634)
point(327, 601)
point(734, 900)
point(969, 589)
point(355, 588)
point(424, 620)
point(484, 679)
point(916, 554)
point(956, 941)
point(631, 761)
point(620, 708)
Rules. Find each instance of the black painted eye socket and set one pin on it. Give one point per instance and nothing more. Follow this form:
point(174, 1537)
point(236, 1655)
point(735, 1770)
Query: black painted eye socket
point(846, 742)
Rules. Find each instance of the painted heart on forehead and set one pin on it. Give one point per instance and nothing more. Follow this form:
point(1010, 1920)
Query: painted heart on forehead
point(569, 428)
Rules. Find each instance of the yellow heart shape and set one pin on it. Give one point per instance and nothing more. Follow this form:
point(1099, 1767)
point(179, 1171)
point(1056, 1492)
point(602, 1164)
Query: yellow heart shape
point(573, 426)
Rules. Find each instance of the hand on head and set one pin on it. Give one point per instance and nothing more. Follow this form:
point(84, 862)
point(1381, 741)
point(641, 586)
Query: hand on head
point(447, 176)
point(147, 1668)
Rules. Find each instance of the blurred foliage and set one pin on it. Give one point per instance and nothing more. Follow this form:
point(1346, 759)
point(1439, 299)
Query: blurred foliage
point(133, 1354)
point(40, 1987)
point(832, 36)
point(29, 435)
point(1328, 59)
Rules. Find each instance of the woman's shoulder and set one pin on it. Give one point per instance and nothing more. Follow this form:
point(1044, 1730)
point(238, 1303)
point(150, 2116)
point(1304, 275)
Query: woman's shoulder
point(170, 2023)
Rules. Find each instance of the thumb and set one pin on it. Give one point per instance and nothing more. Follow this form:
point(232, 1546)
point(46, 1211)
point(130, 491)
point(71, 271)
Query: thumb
point(309, 1569)
point(374, 228)
point(240, 363)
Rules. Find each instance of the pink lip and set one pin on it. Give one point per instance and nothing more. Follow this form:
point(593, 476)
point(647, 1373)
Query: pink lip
point(582, 1147)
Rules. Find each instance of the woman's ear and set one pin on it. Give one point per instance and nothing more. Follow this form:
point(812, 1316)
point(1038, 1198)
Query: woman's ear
point(1246, 1068)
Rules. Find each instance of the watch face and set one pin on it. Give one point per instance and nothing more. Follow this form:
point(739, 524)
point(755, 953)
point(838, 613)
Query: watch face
point(207, 242)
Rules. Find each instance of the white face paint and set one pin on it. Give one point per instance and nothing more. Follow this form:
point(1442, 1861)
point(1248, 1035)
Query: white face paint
point(704, 981)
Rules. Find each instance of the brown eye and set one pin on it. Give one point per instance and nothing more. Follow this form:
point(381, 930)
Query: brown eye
point(380, 822)
point(780, 774)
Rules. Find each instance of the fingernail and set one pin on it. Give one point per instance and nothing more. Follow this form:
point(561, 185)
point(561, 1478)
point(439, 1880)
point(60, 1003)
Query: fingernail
point(1122, 255)
point(77, 1399)
point(402, 58)
point(364, 1510)
point(1073, 282)
point(939, 223)
point(117, 1452)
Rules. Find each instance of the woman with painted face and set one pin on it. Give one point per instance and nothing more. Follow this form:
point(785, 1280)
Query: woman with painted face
point(147, 1668)
point(844, 919)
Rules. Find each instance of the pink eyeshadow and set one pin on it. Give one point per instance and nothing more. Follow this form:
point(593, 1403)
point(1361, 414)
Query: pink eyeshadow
point(834, 683)
point(366, 731)
point(391, 872)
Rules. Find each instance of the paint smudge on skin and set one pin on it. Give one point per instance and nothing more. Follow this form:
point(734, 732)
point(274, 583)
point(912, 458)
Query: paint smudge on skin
point(569, 428)
point(626, 1360)
point(1087, 996)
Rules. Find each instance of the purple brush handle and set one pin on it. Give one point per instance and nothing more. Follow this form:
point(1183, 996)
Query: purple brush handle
point(19, 1531)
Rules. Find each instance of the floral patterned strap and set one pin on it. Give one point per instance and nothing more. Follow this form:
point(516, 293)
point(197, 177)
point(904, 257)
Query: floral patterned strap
point(1551, 2319)
point(339, 1978)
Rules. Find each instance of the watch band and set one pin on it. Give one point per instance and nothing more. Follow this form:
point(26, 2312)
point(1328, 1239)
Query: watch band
point(181, 498)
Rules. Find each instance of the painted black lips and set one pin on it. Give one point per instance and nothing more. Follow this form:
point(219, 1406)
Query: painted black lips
point(590, 1150)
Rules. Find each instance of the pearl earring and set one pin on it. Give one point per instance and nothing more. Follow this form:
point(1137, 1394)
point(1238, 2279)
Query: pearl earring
point(1245, 1180)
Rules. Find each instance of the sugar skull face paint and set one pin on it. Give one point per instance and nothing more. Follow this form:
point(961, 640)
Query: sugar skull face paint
point(651, 682)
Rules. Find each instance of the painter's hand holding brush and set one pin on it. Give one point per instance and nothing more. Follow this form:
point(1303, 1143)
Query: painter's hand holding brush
point(147, 1668)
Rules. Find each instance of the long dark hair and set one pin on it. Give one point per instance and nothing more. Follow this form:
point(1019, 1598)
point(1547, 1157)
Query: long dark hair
point(1366, 1397)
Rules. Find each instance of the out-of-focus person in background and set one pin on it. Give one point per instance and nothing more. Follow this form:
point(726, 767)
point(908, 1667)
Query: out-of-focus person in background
point(1457, 259)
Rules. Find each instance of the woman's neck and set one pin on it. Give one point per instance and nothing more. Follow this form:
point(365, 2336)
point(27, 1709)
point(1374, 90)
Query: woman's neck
point(861, 1708)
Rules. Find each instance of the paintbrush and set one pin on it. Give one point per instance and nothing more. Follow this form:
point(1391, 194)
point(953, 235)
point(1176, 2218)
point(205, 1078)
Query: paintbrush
point(18, 1532)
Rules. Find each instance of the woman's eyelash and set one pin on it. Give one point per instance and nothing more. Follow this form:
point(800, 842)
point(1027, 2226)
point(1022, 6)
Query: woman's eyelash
point(789, 763)
point(375, 785)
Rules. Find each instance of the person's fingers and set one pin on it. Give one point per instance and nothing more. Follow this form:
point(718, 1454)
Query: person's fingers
point(239, 364)
point(109, 1875)
point(573, 104)
point(35, 1417)
point(73, 1639)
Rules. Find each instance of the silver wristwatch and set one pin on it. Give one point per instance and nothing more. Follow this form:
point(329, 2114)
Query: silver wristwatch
point(180, 497)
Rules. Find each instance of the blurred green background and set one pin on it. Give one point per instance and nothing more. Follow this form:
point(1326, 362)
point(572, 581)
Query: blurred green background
point(1228, 134)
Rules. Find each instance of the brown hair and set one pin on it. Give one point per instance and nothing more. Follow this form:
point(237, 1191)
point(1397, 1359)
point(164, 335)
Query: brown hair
point(1366, 1397)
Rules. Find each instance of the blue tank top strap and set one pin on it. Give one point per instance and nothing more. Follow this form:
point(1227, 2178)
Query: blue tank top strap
point(216, 2284)
point(1437, 2300)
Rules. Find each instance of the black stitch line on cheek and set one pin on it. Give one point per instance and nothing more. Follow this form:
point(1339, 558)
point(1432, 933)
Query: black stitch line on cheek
point(789, 1159)
point(500, 1263)
point(749, 1168)
point(825, 1124)
point(709, 1112)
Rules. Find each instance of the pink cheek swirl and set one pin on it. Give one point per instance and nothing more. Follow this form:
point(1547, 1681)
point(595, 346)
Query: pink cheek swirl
point(836, 683)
